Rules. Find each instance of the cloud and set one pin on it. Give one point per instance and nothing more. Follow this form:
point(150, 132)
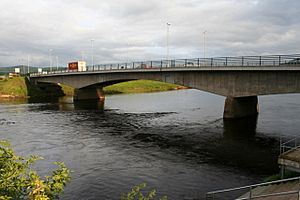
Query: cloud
point(126, 30)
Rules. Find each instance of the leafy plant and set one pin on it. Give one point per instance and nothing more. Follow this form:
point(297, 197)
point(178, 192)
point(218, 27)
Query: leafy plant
point(136, 194)
point(18, 181)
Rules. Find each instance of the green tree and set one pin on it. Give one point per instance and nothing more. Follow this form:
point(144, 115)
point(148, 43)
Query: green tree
point(136, 194)
point(18, 181)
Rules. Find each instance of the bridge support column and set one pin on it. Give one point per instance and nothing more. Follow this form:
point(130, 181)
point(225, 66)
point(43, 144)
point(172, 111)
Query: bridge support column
point(89, 94)
point(238, 107)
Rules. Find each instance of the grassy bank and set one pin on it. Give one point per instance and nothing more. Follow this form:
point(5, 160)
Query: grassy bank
point(18, 87)
point(68, 91)
point(140, 86)
point(13, 87)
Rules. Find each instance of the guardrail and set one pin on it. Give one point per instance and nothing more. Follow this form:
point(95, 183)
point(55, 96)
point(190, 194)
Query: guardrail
point(290, 144)
point(249, 188)
point(241, 61)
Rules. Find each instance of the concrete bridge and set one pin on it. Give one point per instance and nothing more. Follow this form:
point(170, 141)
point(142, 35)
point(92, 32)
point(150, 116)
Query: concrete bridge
point(239, 79)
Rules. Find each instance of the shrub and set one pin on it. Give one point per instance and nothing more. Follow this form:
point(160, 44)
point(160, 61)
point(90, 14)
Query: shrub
point(18, 181)
point(136, 194)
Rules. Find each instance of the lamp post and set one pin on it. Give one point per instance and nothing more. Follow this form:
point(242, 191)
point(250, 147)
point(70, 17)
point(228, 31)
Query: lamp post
point(22, 71)
point(28, 70)
point(127, 54)
point(204, 34)
point(92, 47)
point(82, 55)
point(168, 33)
point(50, 59)
point(56, 63)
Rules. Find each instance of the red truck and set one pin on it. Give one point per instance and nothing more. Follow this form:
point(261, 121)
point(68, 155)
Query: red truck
point(77, 66)
point(73, 66)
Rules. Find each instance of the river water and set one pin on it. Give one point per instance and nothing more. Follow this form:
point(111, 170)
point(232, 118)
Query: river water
point(176, 142)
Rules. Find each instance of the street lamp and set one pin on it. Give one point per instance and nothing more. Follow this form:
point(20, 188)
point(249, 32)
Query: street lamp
point(50, 59)
point(82, 55)
point(56, 63)
point(168, 32)
point(21, 60)
point(92, 46)
point(127, 54)
point(28, 59)
point(204, 33)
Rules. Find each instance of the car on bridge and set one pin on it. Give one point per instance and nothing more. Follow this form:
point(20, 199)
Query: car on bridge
point(145, 66)
point(294, 61)
point(189, 64)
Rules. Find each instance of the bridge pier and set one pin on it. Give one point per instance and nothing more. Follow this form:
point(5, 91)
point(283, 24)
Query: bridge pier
point(89, 94)
point(239, 107)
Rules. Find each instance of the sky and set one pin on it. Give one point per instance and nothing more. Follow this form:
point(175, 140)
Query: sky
point(136, 30)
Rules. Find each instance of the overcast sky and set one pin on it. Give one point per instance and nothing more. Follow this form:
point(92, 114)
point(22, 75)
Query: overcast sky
point(126, 30)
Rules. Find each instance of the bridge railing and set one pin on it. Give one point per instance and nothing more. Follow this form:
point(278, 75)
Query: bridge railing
point(241, 61)
point(250, 192)
point(289, 144)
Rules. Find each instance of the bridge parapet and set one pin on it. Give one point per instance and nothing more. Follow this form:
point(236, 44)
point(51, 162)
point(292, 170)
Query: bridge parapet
point(256, 62)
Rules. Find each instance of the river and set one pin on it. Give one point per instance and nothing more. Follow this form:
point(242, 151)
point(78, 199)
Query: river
point(176, 142)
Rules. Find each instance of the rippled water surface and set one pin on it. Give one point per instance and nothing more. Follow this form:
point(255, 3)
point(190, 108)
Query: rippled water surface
point(174, 141)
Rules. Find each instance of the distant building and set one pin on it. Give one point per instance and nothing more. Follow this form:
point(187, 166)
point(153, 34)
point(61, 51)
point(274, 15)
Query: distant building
point(10, 75)
point(14, 74)
point(17, 70)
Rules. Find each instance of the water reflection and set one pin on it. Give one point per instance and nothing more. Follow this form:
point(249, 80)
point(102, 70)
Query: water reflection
point(48, 99)
point(68, 104)
point(11, 101)
point(240, 128)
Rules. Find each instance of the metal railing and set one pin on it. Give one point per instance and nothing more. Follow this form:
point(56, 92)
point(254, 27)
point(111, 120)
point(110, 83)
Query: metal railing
point(289, 144)
point(251, 194)
point(240, 61)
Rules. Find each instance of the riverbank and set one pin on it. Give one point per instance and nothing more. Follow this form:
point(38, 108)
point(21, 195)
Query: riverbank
point(141, 86)
point(13, 88)
point(19, 87)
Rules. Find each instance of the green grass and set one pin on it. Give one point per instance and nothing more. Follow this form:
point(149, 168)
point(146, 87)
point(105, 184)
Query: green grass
point(15, 86)
point(140, 86)
point(19, 87)
point(68, 90)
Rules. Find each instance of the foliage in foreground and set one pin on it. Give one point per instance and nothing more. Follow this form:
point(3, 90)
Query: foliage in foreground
point(136, 194)
point(18, 181)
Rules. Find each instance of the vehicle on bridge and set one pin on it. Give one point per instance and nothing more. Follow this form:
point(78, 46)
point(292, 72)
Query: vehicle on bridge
point(189, 64)
point(77, 66)
point(294, 61)
point(145, 66)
